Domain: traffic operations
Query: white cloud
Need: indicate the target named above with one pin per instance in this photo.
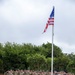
(18, 11)
(24, 21)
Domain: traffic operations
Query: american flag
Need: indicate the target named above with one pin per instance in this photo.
(50, 20)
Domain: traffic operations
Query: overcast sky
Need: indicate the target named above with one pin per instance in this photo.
(23, 21)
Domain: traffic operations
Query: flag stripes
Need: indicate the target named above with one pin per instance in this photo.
(50, 20)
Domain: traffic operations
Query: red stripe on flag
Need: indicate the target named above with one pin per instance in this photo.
(46, 27)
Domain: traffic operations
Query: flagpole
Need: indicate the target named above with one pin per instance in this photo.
(51, 22)
(52, 50)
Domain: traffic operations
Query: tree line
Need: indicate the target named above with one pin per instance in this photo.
(31, 57)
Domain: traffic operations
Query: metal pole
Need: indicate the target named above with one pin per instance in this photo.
(52, 50)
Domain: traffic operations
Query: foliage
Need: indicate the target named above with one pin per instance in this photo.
(38, 61)
(27, 56)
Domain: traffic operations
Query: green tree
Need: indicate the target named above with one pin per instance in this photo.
(71, 67)
(48, 50)
(48, 64)
(37, 62)
(61, 63)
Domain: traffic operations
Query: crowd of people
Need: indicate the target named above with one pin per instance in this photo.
(30, 72)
